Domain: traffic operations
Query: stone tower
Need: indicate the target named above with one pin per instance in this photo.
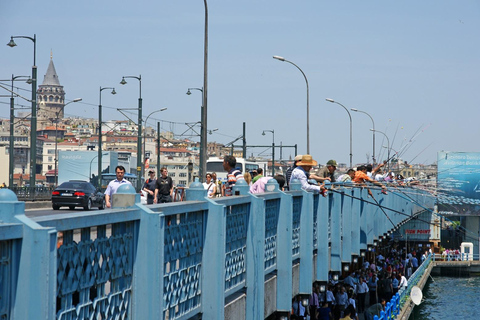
(50, 97)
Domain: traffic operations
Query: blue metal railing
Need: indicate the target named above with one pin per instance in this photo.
(393, 307)
(179, 260)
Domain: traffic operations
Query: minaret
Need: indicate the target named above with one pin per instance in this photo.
(50, 97)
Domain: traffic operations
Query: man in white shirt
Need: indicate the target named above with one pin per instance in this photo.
(301, 173)
(115, 184)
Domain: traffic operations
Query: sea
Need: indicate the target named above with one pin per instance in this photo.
(449, 298)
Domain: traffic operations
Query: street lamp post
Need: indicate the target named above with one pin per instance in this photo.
(203, 147)
(273, 150)
(308, 107)
(139, 139)
(56, 136)
(203, 131)
(145, 137)
(388, 143)
(12, 129)
(99, 173)
(350, 116)
(373, 132)
(33, 132)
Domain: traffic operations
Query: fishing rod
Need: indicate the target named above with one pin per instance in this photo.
(378, 204)
(439, 215)
(421, 152)
(381, 206)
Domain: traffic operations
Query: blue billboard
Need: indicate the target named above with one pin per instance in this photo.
(83, 165)
(458, 183)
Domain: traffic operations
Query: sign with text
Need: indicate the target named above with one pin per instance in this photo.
(458, 184)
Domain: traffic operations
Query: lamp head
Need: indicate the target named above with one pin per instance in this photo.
(189, 92)
(29, 81)
(113, 91)
(12, 43)
(354, 109)
(263, 133)
(77, 100)
(330, 100)
(279, 58)
(123, 81)
(371, 129)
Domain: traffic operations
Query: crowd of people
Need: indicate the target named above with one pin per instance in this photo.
(365, 291)
(160, 190)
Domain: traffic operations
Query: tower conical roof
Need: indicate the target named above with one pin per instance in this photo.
(51, 77)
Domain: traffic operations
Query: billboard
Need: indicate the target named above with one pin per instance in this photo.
(458, 183)
(83, 165)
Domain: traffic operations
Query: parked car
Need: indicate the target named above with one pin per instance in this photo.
(75, 193)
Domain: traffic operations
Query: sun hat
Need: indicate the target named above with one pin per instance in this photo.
(298, 157)
(307, 161)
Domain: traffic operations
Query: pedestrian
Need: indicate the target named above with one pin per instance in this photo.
(115, 184)
(362, 289)
(234, 174)
(259, 186)
(313, 303)
(218, 185)
(258, 176)
(375, 310)
(248, 178)
(301, 173)
(288, 174)
(361, 177)
(210, 186)
(163, 187)
(326, 173)
(149, 186)
(347, 177)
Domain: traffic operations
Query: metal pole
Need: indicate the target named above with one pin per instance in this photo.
(244, 140)
(158, 148)
(100, 121)
(139, 126)
(308, 99)
(350, 116)
(33, 125)
(203, 132)
(145, 133)
(388, 147)
(373, 133)
(140, 154)
(55, 156)
(11, 145)
(99, 164)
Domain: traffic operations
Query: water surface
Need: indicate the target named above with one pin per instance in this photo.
(449, 298)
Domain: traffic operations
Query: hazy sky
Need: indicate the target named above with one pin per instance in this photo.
(414, 66)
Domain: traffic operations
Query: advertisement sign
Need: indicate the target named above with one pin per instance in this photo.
(458, 183)
(83, 165)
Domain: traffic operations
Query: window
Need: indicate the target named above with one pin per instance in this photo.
(50, 159)
(182, 174)
(171, 174)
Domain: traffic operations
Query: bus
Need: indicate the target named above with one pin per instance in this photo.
(215, 164)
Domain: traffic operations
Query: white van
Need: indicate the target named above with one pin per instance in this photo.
(215, 164)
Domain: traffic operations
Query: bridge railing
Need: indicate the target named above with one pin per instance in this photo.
(393, 307)
(457, 257)
(182, 260)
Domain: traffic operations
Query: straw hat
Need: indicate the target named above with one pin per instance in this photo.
(307, 161)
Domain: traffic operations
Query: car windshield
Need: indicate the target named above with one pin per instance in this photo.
(73, 185)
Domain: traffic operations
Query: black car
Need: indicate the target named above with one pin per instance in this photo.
(76, 193)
